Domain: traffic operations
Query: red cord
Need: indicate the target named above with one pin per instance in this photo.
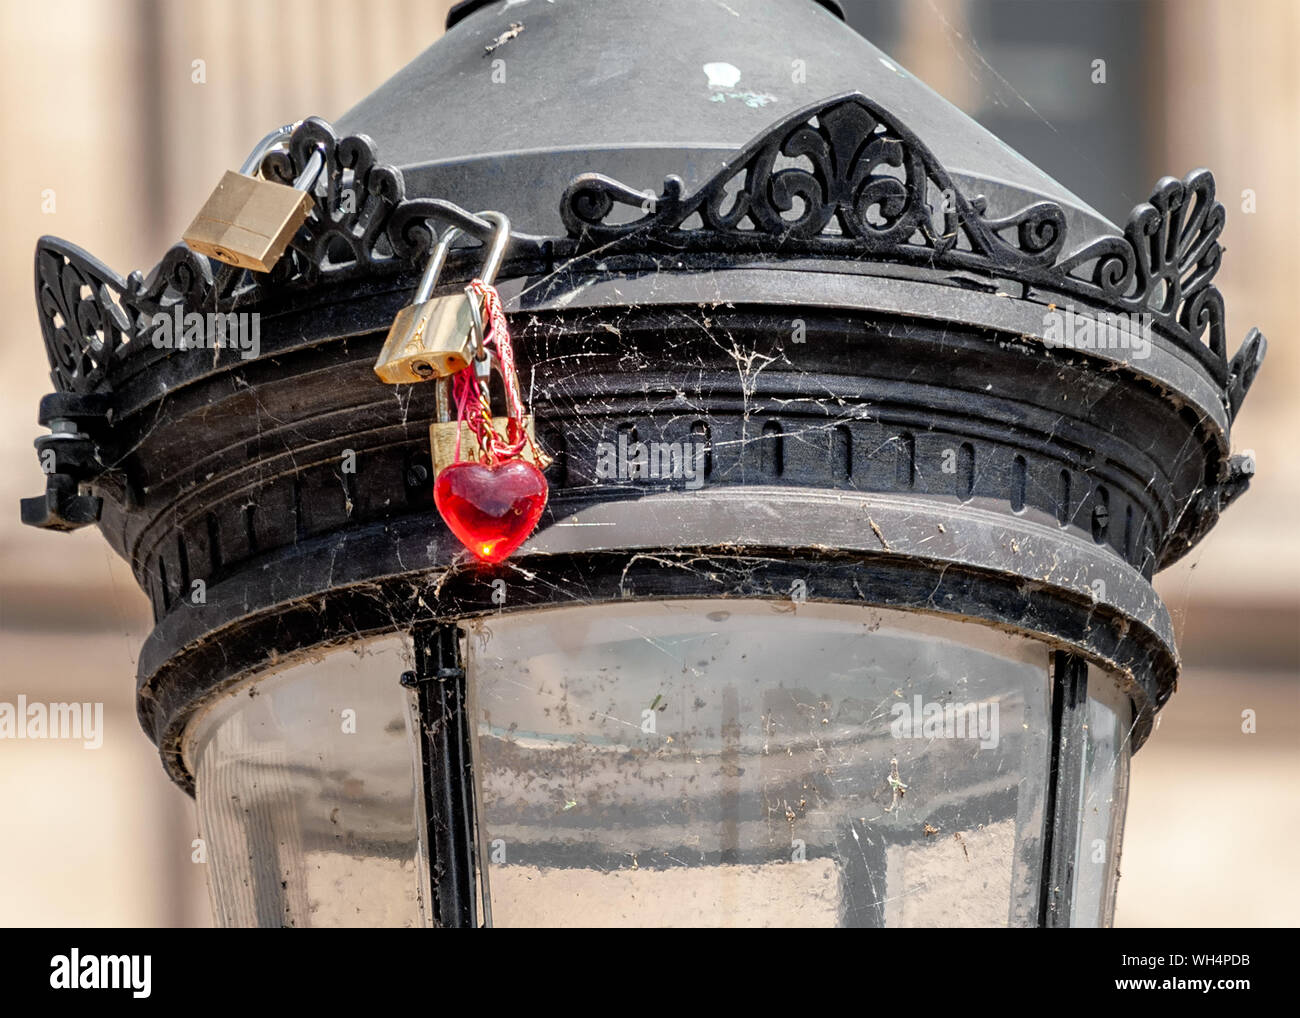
(472, 402)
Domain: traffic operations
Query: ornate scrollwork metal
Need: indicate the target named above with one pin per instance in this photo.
(360, 225)
(92, 317)
(843, 179)
(354, 197)
(1164, 263)
(88, 313)
(839, 179)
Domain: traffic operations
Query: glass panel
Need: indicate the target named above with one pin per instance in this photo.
(1107, 751)
(752, 763)
(306, 794)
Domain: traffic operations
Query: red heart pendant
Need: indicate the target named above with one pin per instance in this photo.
(491, 509)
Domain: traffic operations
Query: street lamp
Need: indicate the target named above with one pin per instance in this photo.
(866, 439)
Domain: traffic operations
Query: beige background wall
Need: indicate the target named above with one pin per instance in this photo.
(100, 107)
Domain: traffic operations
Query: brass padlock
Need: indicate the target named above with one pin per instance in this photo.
(444, 431)
(248, 221)
(435, 338)
(442, 440)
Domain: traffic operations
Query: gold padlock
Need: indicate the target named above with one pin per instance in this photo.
(442, 440)
(434, 337)
(443, 433)
(430, 339)
(248, 221)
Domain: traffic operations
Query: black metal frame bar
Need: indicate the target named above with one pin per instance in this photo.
(1064, 788)
(439, 688)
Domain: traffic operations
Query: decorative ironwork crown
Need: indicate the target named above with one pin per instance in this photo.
(837, 180)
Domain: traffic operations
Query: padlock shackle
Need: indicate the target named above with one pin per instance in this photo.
(443, 400)
(253, 164)
(436, 261)
(491, 265)
(307, 178)
(484, 368)
(254, 161)
(480, 327)
(500, 241)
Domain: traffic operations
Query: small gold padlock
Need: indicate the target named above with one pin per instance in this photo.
(443, 432)
(430, 339)
(442, 440)
(435, 337)
(248, 222)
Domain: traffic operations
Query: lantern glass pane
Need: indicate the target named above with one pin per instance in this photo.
(1106, 755)
(305, 790)
(749, 763)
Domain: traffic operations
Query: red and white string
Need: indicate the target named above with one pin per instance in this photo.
(473, 404)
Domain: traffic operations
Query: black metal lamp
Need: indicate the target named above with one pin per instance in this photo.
(867, 437)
